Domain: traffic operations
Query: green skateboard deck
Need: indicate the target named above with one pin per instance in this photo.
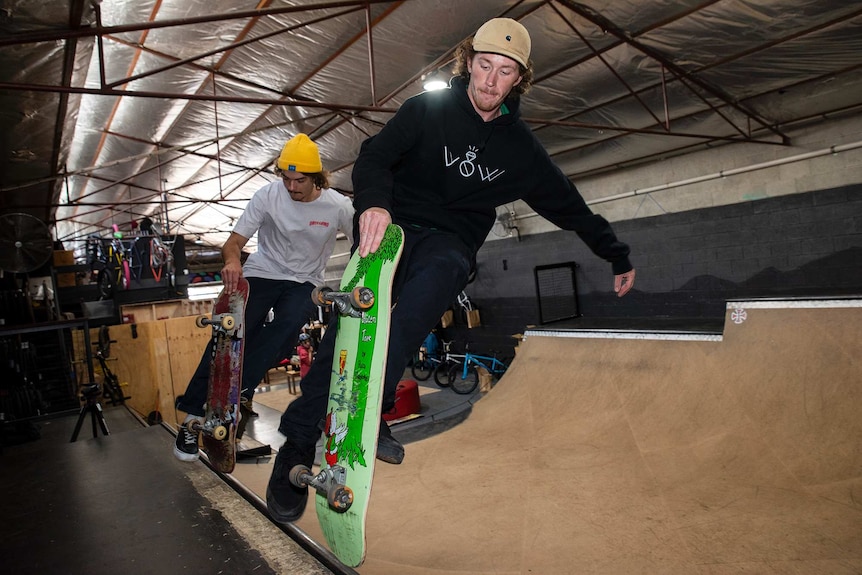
(355, 396)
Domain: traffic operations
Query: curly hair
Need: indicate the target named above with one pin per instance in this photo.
(320, 179)
(465, 53)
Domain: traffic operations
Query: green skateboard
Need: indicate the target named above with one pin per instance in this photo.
(343, 485)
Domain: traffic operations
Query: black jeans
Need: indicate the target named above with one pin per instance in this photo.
(432, 271)
(264, 344)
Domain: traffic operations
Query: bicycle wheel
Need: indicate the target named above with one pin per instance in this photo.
(105, 341)
(441, 374)
(112, 390)
(105, 281)
(501, 370)
(461, 384)
(126, 275)
(422, 369)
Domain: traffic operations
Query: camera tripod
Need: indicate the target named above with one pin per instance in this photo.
(90, 393)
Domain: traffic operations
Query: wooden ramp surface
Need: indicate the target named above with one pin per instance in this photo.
(606, 455)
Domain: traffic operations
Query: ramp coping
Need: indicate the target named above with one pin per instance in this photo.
(794, 303)
(765, 303)
(624, 334)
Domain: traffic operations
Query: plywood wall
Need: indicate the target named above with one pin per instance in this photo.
(141, 362)
(154, 361)
(186, 344)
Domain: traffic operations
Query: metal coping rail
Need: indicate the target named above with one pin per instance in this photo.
(309, 545)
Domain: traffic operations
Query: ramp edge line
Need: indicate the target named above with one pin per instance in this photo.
(618, 334)
(794, 304)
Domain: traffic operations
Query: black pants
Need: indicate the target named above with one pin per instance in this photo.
(264, 344)
(432, 271)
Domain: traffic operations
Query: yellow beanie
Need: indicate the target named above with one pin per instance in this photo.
(300, 155)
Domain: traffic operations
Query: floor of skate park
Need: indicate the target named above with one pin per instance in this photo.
(602, 450)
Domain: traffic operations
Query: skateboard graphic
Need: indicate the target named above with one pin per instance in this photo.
(353, 412)
(218, 428)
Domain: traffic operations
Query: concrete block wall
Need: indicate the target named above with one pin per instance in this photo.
(688, 264)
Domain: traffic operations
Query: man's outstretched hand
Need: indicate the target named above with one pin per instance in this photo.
(372, 226)
(624, 282)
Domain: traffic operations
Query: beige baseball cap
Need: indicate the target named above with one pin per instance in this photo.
(504, 36)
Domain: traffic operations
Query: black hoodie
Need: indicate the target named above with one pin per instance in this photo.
(437, 164)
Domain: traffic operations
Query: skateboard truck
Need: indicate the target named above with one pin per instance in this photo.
(214, 427)
(329, 482)
(352, 303)
(222, 322)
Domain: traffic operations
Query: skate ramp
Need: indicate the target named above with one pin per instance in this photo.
(619, 453)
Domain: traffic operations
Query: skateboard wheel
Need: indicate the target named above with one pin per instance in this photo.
(299, 475)
(220, 432)
(318, 295)
(227, 322)
(340, 498)
(201, 321)
(194, 425)
(362, 298)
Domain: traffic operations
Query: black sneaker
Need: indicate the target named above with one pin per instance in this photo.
(389, 449)
(186, 446)
(285, 501)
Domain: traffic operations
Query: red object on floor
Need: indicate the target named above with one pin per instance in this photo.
(406, 400)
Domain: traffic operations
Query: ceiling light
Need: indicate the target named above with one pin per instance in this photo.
(434, 81)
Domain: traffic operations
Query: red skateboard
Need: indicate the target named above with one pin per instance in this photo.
(218, 428)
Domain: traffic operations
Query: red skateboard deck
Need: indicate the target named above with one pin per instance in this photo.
(218, 430)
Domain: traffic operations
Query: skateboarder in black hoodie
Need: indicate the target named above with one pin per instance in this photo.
(439, 168)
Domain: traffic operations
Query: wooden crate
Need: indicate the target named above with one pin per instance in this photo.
(64, 258)
(186, 343)
(156, 359)
(142, 361)
(167, 309)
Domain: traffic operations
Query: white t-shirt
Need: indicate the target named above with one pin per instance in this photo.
(294, 239)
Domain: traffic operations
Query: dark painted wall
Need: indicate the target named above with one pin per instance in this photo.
(688, 264)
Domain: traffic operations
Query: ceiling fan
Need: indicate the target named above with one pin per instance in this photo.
(25, 243)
